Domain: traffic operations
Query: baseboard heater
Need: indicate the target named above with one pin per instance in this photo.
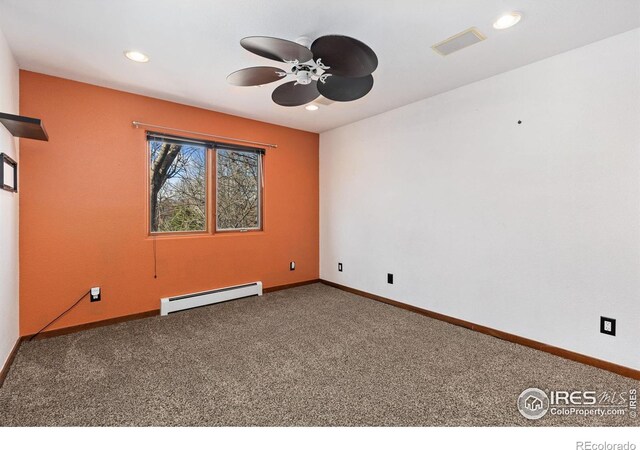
(173, 304)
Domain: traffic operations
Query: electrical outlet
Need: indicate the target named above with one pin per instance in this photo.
(390, 278)
(339, 267)
(608, 326)
(95, 294)
(292, 265)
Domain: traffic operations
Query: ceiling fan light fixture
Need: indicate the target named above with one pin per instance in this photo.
(136, 56)
(337, 67)
(311, 107)
(507, 20)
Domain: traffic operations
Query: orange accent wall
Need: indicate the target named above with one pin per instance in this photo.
(83, 211)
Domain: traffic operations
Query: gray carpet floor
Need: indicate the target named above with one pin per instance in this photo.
(312, 356)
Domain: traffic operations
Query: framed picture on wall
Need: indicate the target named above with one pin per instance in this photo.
(8, 173)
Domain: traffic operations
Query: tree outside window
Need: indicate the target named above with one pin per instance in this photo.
(238, 190)
(179, 185)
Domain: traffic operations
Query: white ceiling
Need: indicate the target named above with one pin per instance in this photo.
(194, 44)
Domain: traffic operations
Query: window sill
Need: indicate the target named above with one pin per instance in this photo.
(237, 233)
(178, 235)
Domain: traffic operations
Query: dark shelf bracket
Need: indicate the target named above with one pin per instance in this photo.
(24, 127)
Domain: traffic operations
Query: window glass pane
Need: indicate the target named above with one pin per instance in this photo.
(178, 186)
(238, 189)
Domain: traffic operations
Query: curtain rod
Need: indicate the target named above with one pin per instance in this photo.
(137, 124)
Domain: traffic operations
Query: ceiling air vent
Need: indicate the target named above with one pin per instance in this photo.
(459, 41)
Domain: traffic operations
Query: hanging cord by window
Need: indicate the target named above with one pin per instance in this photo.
(155, 259)
(54, 320)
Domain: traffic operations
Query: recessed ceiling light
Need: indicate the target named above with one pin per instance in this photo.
(136, 56)
(311, 107)
(507, 20)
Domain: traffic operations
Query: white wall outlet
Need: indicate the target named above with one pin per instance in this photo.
(608, 326)
(95, 294)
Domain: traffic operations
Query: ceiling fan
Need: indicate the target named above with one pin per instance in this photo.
(336, 67)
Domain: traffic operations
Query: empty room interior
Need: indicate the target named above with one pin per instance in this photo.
(319, 214)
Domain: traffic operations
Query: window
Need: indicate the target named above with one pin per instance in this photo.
(179, 185)
(238, 189)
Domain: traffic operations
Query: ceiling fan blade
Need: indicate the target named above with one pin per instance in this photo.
(345, 89)
(292, 94)
(276, 49)
(254, 76)
(346, 56)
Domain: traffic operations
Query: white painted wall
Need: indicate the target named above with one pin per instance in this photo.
(532, 229)
(8, 210)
